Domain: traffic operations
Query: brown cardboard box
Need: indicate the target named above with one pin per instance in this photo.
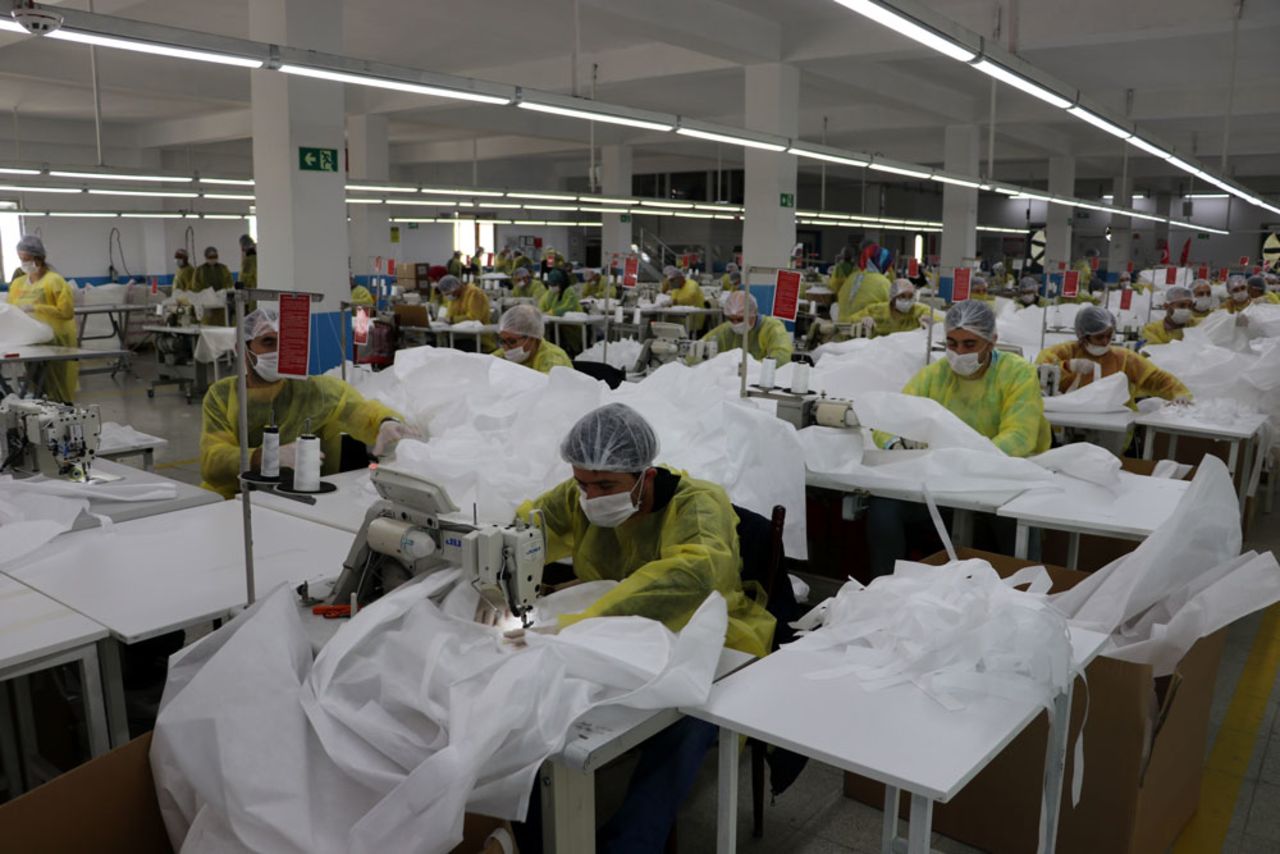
(1132, 802)
(108, 806)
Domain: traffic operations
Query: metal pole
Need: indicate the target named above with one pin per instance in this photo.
(591, 129)
(97, 97)
(577, 46)
(17, 139)
(991, 136)
(822, 198)
(342, 319)
(242, 402)
(1231, 85)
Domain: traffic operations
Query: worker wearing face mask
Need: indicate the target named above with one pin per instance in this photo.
(46, 297)
(464, 302)
(559, 300)
(1202, 296)
(1029, 293)
(866, 286)
(1093, 356)
(979, 289)
(1258, 292)
(995, 393)
(685, 291)
(766, 338)
(669, 540)
(1179, 314)
(900, 314)
(455, 266)
(597, 286)
(727, 282)
(329, 405)
(671, 277)
(1237, 294)
(184, 277)
(213, 275)
(525, 286)
(504, 263)
(521, 340)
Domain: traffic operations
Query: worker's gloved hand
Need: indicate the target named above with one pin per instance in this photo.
(868, 324)
(1080, 366)
(391, 432)
(289, 455)
(1242, 320)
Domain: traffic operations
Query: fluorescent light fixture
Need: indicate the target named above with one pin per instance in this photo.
(830, 158)
(151, 194)
(1108, 197)
(476, 193)
(959, 182)
(153, 215)
(606, 210)
(379, 188)
(88, 214)
(1207, 196)
(1039, 197)
(364, 201)
(551, 208)
(897, 170)
(653, 203)
(1141, 215)
(1150, 148)
(8, 25)
(11, 188)
(224, 216)
(9, 170)
(1191, 226)
(501, 206)
(1008, 191)
(164, 179)
(439, 203)
(612, 200)
(1183, 165)
(1017, 81)
(905, 26)
(589, 224)
(595, 116)
(1099, 122)
(730, 140)
(549, 197)
(692, 215)
(154, 49)
(229, 182)
(239, 197)
(396, 85)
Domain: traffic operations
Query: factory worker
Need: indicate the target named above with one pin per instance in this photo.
(865, 286)
(213, 275)
(671, 277)
(1258, 292)
(477, 263)
(519, 259)
(1179, 313)
(1202, 296)
(1028, 293)
(520, 336)
(999, 278)
(559, 300)
(597, 286)
(248, 263)
(1238, 298)
(995, 393)
(979, 289)
(331, 406)
(463, 301)
(1095, 328)
(841, 270)
(504, 263)
(685, 291)
(46, 296)
(360, 295)
(184, 277)
(900, 314)
(669, 540)
(727, 282)
(766, 337)
(454, 265)
(1085, 267)
(525, 286)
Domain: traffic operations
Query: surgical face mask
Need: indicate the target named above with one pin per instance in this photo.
(1097, 349)
(741, 328)
(1240, 296)
(267, 366)
(1028, 298)
(182, 262)
(29, 267)
(516, 354)
(1181, 316)
(610, 511)
(903, 304)
(965, 364)
(1204, 303)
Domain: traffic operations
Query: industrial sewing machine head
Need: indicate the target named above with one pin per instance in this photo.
(48, 438)
(810, 410)
(670, 342)
(404, 536)
(1050, 379)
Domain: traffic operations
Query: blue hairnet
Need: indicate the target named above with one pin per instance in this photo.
(524, 320)
(260, 321)
(1093, 319)
(1257, 283)
(521, 273)
(612, 438)
(973, 315)
(32, 245)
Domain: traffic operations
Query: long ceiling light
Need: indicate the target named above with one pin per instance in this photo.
(153, 48)
(959, 182)
(476, 193)
(150, 194)
(228, 182)
(4, 170)
(829, 158)
(730, 139)
(379, 188)
(903, 25)
(1099, 122)
(1017, 81)
(549, 197)
(165, 179)
(240, 197)
(395, 85)
(899, 170)
(14, 189)
(595, 115)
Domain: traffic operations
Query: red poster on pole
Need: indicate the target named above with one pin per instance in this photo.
(1244, 260)
(295, 335)
(786, 295)
(1223, 273)
(960, 284)
(1071, 284)
(1093, 262)
(1256, 270)
(391, 267)
(1126, 299)
(1129, 267)
(1062, 265)
(631, 272)
(1171, 276)
(913, 269)
(490, 264)
(1203, 272)
(360, 326)
(155, 285)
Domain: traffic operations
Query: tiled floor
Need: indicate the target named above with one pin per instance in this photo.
(812, 817)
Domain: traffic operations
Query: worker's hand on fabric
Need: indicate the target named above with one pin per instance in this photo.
(390, 433)
(1080, 366)
(926, 321)
(289, 455)
(869, 324)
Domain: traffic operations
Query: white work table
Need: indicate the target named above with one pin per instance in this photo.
(898, 736)
(597, 323)
(145, 446)
(1133, 512)
(35, 357)
(1103, 422)
(1180, 421)
(185, 497)
(343, 510)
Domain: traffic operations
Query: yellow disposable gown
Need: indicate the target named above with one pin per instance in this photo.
(533, 289)
(1086, 273)
(1145, 379)
(1004, 404)
(1156, 332)
(691, 295)
(839, 274)
(666, 562)
(455, 267)
(53, 303)
(558, 304)
(504, 265)
(185, 279)
(726, 283)
(599, 289)
(470, 304)
(889, 321)
(360, 296)
(332, 406)
(213, 277)
(863, 288)
(546, 357)
(768, 339)
(249, 271)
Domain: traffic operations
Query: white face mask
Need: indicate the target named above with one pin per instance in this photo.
(1204, 303)
(1028, 298)
(903, 304)
(267, 366)
(1240, 296)
(1181, 316)
(610, 511)
(965, 364)
(740, 328)
(1097, 349)
(29, 267)
(516, 354)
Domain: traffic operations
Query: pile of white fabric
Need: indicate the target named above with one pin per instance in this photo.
(19, 329)
(121, 435)
(407, 718)
(622, 354)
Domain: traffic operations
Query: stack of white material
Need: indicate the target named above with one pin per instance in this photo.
(622, 354)
(407, 718)
(19, 329)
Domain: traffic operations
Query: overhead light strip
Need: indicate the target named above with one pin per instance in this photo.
(395, 85)
(71, 35)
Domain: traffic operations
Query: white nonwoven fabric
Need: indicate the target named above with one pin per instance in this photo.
(920, 419)
(19, 329)
(622, 354)
(407, 718)
(1084, 461)
(93, 491)
(1109, 394)
(29, 519)
(214, 342)
(122, 435)
(947, 472)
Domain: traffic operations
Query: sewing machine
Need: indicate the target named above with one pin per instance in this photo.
(53, 439)
(670, 342)
(404, 536)
(810, 410)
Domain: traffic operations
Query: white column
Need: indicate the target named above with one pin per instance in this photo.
(959, 204)
(302, 217)
(1062, 181)
(368, 158)
(769, 232)
(615, 180)
(1120, 251)
(157, 257)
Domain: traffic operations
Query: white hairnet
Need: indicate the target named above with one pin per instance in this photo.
(521, 273)
(738, 303)
(522, 320)
(973, 315)
(1093, 319)
(731, 268)
(1257, 283)
(1201, 283)
(1027, 284)
(1234, 280)
(261, 321)
(1178, 292)
(449, 285)
(32, 245)
(670, 272)
(612, 438)
(900, 285)
(978, 280)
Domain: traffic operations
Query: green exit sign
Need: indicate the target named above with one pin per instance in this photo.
(1202, 235)
(787, 200)
(318, 159)
(624, 218)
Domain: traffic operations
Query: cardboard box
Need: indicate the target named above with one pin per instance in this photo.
(1144, 758)
(108, 806)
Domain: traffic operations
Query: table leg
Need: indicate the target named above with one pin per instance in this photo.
(889, 833)
(1173, 446)
(1149, 446)
(113, 688)
(1055, 767)
(28, 742)
(568, 809)
(1023, 542)
(962, 528)
(1073, 550)
(727, 799)
(920, 827)
(95, 711)
(9, 761)
(149, 459)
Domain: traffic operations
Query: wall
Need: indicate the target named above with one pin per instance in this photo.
(428, 243)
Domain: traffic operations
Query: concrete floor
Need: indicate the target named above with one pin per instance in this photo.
(812, 817)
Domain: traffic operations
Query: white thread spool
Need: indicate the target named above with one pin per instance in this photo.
(270, 452)
(800, 378)
(617, 315)
(638, 317)
(768, 369)
(306, 472)
(813, 306)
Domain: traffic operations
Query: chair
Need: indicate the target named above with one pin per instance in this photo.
(600, 371)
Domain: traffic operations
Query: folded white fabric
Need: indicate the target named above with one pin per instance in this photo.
(1109, 394)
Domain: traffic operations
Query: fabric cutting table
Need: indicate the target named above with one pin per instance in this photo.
(118, 314)
(186, 496)
(898, 736)
(34, 359)
(597, 323)
(1245, 433)
(145, 446)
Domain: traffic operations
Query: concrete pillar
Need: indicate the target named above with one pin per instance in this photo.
(302, 217)
(769, 230)
(615, 180)
(1120, 250)
(157, 257)
(368, 160)
(1062, 181)
(959, 204)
